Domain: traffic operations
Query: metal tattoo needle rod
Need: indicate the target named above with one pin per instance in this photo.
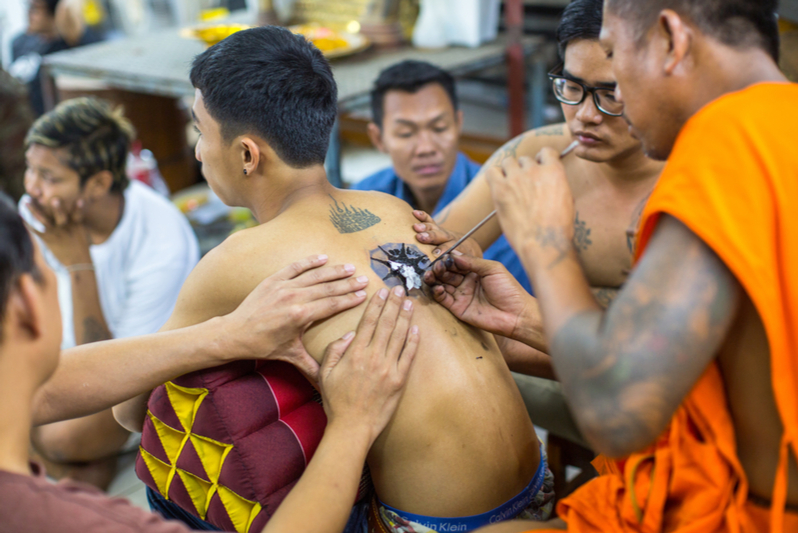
(480, 224)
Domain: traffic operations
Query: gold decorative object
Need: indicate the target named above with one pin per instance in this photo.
(331, 43)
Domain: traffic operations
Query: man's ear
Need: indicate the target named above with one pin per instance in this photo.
(251, 155)
(459, 120)
(24, 308)
(98, 185)
(676, 37)
(376, 136)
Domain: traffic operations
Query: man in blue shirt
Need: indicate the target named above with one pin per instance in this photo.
(416, 120)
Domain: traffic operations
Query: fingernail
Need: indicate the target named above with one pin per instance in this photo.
(456, 252)
(362, 279)
(437, 251)
(322, 257)
(360, 294)
(407, 305)
(398, 291)
(423, 235)
(414, 330)
(419, 227)
(383, 293)
(349, 335)
(349, 268)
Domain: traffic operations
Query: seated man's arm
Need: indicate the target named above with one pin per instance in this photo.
(475, 202)
(625, 371)
(268, 324)
(210, 291)
(525, 359)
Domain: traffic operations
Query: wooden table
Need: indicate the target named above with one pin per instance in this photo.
(159, 63)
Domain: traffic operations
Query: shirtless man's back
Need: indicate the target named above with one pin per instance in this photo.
(461, 442)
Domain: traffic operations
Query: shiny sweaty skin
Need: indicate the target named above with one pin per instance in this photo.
(609, 176)
(461, 442)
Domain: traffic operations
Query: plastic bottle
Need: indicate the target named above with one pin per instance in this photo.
(142, 166)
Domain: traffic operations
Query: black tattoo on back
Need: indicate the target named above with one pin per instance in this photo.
(581, 238)
(550, 237)
(349, 219)
(400, 264)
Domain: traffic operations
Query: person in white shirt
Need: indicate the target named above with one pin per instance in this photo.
(120, 252)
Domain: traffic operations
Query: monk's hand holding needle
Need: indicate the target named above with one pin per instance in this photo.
(535, 207)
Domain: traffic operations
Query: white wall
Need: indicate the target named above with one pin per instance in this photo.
(13, 21)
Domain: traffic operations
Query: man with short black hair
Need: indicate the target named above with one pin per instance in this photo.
(416, 120)
(37, 384)
(53, 25)
(119, 250)
(689, 379)
(265, 102)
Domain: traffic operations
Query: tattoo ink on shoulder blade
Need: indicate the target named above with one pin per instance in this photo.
(400, 264)
(349, 219)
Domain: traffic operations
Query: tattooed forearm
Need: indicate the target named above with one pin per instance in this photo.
(626, 371)
(581, 238)
(94, 330)
(604, 296)
(557, 129)
(553, 238)
(349, 219)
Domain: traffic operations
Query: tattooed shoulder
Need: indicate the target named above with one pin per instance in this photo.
(556, 129)
(349, 219)
(509, 149)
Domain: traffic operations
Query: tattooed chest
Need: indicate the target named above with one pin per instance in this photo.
(603, 249)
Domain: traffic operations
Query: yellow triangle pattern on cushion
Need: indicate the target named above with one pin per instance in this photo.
(200, 491)
(171, 439)
(241, 511)
(159, 470)
(212, 454)
(185, 402)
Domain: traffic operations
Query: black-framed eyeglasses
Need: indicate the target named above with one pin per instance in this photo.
(571, 92)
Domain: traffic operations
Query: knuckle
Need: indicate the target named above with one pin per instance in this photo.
(297, 313)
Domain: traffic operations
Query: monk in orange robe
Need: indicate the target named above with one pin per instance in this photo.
(689, 379)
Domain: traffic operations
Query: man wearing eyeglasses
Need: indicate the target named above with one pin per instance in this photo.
(610, 178)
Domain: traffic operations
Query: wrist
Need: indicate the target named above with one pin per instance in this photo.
(220, 341)
(356, 434)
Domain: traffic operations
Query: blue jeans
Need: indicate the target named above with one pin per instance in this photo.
(170, 511)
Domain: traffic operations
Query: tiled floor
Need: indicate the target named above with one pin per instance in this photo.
(127, 485)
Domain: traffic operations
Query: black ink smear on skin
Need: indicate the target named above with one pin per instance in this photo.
(349, 219)
(400, 264)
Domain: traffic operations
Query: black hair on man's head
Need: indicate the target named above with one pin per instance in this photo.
(272, 83)
(736, 23)
(581, 19)
(51, 6)
(16, 253)
(409, 76)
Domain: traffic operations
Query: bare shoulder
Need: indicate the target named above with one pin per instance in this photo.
(225, 276)
(529, 144)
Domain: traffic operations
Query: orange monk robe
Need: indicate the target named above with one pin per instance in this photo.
(732, 180)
